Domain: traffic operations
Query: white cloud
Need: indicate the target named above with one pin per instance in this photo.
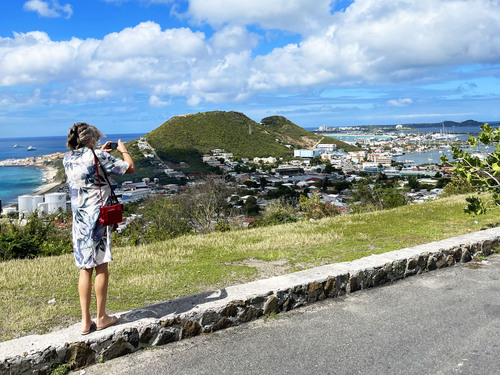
(234, 38)
(173, 62)
(385, 41)
(374, 41)
(156, 102)
(32, 58)
(402, 102)
(52, 10)
(291, 15)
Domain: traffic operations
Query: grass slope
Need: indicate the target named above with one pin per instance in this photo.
(143, 275)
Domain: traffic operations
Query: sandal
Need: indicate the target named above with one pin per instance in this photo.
(113, 321)
(92, 328)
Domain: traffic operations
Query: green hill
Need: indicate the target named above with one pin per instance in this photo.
(184, 139)
(202, 132)
(196, 134)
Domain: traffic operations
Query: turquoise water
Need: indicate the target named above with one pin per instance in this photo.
(16, 181)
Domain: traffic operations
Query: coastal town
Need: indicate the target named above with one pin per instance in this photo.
(305, 172)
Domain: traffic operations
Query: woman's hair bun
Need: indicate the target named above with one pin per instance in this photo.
(80, 134)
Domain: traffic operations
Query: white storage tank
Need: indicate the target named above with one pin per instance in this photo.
(55, 201)
(9, 210)
(35, 200)
(43, 208)
(25, 203)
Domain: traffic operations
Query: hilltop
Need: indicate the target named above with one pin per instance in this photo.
(184, 139)
(234, 132)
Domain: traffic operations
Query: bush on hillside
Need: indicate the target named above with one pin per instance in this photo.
(41, 235)
(278, 212)
(368, 197)
(481, 170)
(457, 186)
(313, 208)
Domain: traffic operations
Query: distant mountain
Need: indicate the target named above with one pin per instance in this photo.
(448, 124)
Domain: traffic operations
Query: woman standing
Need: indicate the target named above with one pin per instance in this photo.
(92, 241)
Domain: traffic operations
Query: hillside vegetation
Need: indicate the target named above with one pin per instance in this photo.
(146, 274)
(287, 131)
(186, 138)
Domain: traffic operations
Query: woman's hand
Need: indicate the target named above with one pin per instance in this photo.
(126, 156)
(121, 146)
(106, 147)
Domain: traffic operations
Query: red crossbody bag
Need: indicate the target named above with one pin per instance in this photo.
(111, 214)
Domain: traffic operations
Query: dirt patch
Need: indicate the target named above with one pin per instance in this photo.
(474, 265)
(266, 269)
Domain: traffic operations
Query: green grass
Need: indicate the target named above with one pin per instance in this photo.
(143, 275)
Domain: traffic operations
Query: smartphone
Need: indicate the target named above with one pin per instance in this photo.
(113, 145)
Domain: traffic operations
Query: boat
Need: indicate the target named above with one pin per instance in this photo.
(17, 146)
(31, 148)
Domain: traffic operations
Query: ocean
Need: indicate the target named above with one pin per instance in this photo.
(15, 181)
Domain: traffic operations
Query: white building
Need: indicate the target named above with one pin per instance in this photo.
(269, 160)
(326, 147)
(305, 153)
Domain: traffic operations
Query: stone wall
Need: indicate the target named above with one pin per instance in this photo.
(176, 320)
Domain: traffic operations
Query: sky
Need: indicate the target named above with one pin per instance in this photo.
(127, 66)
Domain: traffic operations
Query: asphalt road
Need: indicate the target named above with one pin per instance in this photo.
(442, 322)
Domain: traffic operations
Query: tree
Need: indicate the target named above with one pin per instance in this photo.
(278, 212)
(251, 207)
(263, 182)
(328, 168)
(480, 170)
(380, 196)
(41, 235)
(315, 160)
(314, 208)
(205, 204)
(413, 183)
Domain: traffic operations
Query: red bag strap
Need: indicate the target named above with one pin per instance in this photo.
(98, 177)
(97, 163)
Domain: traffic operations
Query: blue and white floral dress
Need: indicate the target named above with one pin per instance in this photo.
(91, 241)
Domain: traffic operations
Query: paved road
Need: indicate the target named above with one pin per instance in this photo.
(443, 322)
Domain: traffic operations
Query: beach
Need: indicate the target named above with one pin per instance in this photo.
(50, 173)
(47, 164)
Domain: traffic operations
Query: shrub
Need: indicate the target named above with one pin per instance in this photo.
(40, 235)
(313, 208)
(278, 212)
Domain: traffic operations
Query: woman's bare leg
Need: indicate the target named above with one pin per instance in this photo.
(84, 290)
(101, 294)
